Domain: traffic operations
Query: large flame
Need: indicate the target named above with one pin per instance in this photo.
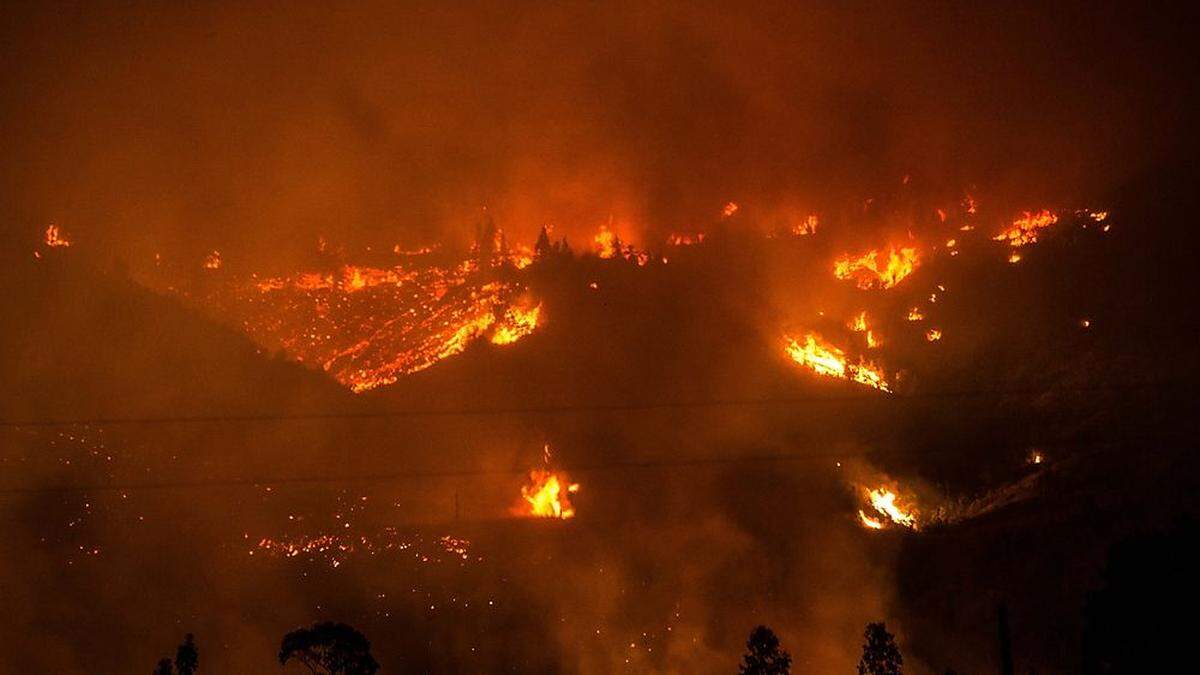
(887, 507)
(516, 324)
(547, 495)
(874, 269)
(825, 359)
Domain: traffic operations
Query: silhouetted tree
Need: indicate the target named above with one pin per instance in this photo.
(331, 648)
(164, 668)
(187, 658)
(543, 248)
(763, 655)
(880, 654)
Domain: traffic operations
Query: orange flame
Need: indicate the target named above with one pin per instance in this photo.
(1024, 230)
(828, 360)
(55, 237)
(213, 260)
(547, 495)
(933, 335)
(871, 269)
(729, 209)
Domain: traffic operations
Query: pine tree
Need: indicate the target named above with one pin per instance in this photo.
(763, 654)
(880, 655)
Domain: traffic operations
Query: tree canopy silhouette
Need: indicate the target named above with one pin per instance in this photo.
(187, 657)
(164, 667)
(763, 654)
(880, 654)
(329, 648)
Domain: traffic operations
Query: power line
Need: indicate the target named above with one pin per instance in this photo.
(611, 465)
(863, 397)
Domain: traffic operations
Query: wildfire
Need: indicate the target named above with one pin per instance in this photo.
(828, 360)
(213, 260)
(608, 245)
(807, 226)
(875, 269)
(516, 324)
(729, 209)
(1024, 230)
(886, 505)
(915, 314)
(685, 239)
(933, 335)
(547, 495)
(859, 325)
(55, 238)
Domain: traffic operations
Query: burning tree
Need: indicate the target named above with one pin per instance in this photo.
(764, 655)
(880, 654)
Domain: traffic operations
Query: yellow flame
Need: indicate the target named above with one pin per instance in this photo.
(872, 269)
(516, 324)
(933, 335)
(547, 495)
(885, 503)
(828, 360)
(729, 209)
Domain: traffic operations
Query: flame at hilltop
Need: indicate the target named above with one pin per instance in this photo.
(368, 326)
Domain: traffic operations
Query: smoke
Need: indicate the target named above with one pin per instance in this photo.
(178, 130)
(255, 130)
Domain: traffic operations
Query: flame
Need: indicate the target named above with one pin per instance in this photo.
(729, 209)
(607, 244)
(869, 522)
(933, 335)
(516, 324)
(685, 239)
(828, 360)
(915, 314)
(807, 226)
(859, 325)
(885, 503)
(213, 260)
(1014, 258)
(55, 237)
(547, 494)
(1024, 230)
(868, 270)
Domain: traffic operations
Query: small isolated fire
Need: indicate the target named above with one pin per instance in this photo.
(55, 237)
(1024, 230)
(887, 509)
(825, 359)
(875, 269)
(213, 260)
(933, 335)
(548, 493)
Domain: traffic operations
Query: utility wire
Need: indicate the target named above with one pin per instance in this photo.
(864, 397)
(611, 465)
